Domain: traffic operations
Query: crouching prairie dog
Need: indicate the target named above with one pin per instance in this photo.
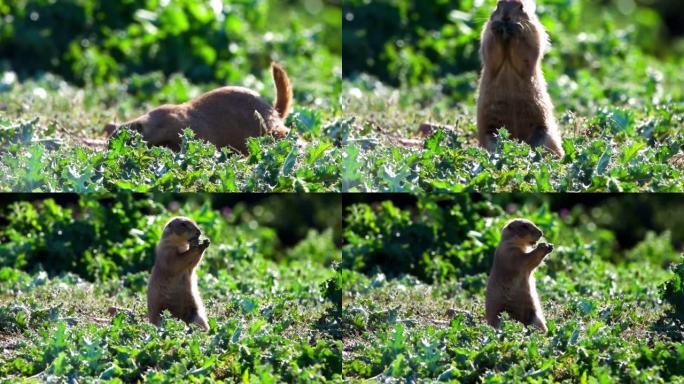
(511, 286)
(173, 282)
(513, 92)
(226, 117)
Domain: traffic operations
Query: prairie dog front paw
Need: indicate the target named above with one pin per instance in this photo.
(545, 247)
(203, 243)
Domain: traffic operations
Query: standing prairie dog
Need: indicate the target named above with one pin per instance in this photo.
(511, 286)
(225, 117)
(173, 282)
(513, 91)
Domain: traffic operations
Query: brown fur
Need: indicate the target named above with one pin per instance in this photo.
(513, 91)
(226, 117)
(173, 282)
(511, 286)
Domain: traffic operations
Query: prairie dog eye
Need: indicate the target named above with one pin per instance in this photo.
(137, 127)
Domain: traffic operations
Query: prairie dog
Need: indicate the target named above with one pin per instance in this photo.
(173, 282)
(513, 91)
(225, 116)
(511, 286)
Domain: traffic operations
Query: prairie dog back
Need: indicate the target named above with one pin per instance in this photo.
(511, 286)
(513, 92)
(173, 282)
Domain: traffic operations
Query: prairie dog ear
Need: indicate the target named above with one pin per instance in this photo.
(109, 129)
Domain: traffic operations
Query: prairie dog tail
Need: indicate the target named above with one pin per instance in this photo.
(283, 90)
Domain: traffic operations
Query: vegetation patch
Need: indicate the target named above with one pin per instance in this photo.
(615, 84)
(63, 268)
(414, 287)
(122, 59)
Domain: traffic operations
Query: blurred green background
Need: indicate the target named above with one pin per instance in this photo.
(105, 236)
(221, 42)
(416, 42)
(441, 236)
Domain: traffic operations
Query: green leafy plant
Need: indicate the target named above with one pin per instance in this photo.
(674, 292)
(129, 165)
